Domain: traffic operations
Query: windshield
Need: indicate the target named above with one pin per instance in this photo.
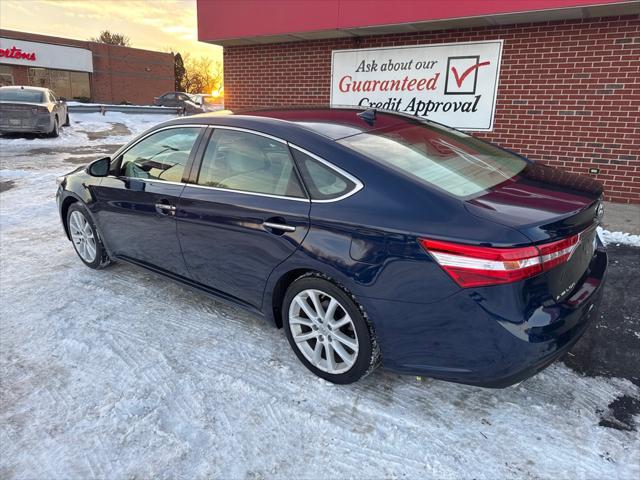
(450, 160)
(20, 95)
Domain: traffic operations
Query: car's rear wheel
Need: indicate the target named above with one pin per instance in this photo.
(55, 130)
(85, 238)
(328, 330)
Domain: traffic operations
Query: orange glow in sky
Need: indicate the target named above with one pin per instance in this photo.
(161, 25)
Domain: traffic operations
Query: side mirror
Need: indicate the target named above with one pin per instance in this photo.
(99, 168)
(62, 99)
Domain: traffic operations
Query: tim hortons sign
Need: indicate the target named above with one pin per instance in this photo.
(14, 52)
(45, 55)
(455, 84)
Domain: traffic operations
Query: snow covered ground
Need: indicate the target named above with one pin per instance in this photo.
(122, 374)
(619, 238)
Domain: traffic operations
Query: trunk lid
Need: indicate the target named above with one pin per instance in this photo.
(15, 112)
(19, 105)
(548, 205)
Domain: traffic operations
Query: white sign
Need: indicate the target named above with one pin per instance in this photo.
(455, 84)
(35, 54)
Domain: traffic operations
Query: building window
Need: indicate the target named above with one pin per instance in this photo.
(59, 81)
(6, 76)
(64, 83)
(80, 85)
(39, 77)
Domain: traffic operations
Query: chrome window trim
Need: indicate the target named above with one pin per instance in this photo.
(269, 195)
(358, 184)
(125, 148)
(152, 180)
(246, 130)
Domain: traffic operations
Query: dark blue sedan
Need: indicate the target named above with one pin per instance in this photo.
(370, 237)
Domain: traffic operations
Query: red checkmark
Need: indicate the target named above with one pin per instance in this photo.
(465, 74)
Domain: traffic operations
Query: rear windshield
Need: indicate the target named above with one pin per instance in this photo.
(450, 160)
(19, 95)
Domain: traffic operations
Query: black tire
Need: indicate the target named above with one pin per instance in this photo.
(55, 130)
(101, 259)
(67, 122)
(368, 355)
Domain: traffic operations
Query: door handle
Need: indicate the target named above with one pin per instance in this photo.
(279, 226)
(165, 209)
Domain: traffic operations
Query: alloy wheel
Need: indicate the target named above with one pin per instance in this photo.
(82, 235)
(323, 331)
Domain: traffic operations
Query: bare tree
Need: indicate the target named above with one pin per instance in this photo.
(112, 39)
(202, 75)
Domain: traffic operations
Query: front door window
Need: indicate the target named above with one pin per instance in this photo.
(161, 156)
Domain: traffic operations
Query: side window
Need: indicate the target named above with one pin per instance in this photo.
(322, 181)
(251, 163)
(161, 156)
(52, 97)
(169, 96)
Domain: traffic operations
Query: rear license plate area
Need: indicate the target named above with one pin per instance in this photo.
(566, 277)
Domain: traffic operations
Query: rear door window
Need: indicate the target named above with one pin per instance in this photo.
(236, 160)
(460, 164)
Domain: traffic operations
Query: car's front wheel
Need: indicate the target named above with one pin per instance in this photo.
(328, 331)
(85, 238)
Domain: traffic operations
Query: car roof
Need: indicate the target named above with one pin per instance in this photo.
(330, 122)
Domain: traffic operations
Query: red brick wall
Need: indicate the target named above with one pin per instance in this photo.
(119, 73)
(569, 91)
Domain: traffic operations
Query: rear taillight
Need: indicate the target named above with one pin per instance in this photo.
(472, 266)
(36, 110)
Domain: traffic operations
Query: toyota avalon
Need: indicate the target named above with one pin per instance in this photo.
(369, 237)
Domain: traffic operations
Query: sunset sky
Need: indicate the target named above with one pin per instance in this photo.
(153, 24)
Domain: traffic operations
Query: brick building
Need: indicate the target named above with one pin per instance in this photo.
(567, 72)
(84, 70)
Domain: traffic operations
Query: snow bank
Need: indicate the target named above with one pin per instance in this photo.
(618, 238)
(83, 124)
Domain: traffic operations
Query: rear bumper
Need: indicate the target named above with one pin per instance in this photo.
(34, 124)
(489, 337)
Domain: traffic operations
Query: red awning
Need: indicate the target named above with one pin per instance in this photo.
(242, 22)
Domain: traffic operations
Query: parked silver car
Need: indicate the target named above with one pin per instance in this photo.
(31, 110)
(185, 101)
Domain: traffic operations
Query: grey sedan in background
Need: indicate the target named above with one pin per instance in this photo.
(185, 101)
(31, 110)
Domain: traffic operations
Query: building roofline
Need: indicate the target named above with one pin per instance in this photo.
(52, 40)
